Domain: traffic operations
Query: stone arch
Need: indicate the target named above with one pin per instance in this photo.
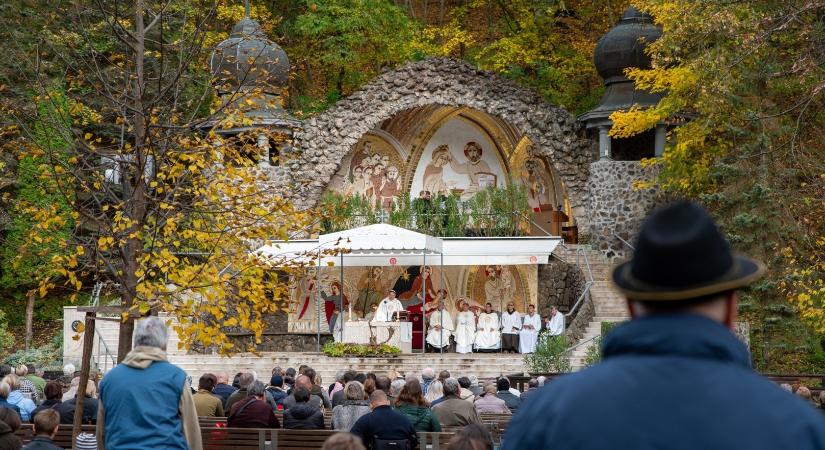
(327, 138)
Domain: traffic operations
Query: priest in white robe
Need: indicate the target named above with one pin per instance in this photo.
(529, 331)
(387, 307)
(465, 330)
(510, 327)
(441, 328)
(555, 322)
(487, 335)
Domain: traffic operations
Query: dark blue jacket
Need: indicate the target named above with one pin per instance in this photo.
(223, 391)
(667, 382)
(384, 423)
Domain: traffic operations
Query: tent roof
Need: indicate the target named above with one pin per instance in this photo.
(381, 237)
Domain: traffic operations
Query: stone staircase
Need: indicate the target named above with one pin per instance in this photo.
(608, 303)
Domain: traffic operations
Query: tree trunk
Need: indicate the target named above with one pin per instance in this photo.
(29, 319)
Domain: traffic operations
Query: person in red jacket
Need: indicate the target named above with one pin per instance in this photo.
(253, 411)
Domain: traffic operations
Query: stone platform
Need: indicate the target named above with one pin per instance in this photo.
(482, 365)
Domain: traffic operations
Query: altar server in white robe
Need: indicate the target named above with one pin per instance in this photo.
(465, 330)
(441, 327)
(555, 323)
(387, 307)
(510, 327)
(487, 335)
(529, 331)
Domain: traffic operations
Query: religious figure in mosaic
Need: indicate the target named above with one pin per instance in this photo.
(477, 170)
(334, 303)
(499, 288)
(371, 288)
(412, 298)
(539, 185)
(434, 172)
(389, 188)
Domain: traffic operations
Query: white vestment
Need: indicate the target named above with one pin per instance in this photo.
(510, 322)
(556, 326)
(487, 334)
(465, 332)
(386, 308)
(440, 338)
(527, 338)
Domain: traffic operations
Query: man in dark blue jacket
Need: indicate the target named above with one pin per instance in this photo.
(674, 377)
(384, 424)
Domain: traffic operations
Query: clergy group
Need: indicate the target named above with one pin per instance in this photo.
(490, 331)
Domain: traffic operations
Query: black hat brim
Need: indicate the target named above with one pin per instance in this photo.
(743, 272)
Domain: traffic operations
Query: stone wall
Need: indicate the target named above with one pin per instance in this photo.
(616, 206)
(559, 284)
(323, 141)
(284, 342)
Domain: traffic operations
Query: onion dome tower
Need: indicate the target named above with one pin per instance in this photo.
(623, 47)
(250, 74)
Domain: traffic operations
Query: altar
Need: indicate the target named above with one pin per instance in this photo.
(397, 334)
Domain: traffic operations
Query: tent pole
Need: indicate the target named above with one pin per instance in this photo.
(341, 314)
(318, 302)
(442, 287)
(424, 303)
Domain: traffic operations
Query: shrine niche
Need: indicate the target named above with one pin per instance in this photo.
(373, 170)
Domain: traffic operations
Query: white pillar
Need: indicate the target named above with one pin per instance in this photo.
(661, 137)
(604, 142)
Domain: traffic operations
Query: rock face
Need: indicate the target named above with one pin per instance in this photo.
(560, 284)
(325, 140)
(617, 208)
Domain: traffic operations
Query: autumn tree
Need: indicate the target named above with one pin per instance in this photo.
(169, 210)
(750, 75)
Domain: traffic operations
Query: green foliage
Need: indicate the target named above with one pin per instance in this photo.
(551, 355)
(345, 43)
(6, 339)
(594, 351)
(48, 356)
(46, 309)
(340, 349)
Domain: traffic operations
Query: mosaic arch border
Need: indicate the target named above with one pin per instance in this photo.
(325, 140)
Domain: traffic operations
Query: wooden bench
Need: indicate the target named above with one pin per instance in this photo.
(63, 437)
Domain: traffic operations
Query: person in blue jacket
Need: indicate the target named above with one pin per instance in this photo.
(675, 376)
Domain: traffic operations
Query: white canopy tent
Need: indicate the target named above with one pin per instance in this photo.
(387, 245)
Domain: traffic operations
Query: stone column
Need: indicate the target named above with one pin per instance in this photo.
(604, 142)
(661, 137)
(263, 145)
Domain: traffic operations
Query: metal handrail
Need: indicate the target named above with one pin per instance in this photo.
(588, 282)
(624, 241)
(107, 354)
(582, 342)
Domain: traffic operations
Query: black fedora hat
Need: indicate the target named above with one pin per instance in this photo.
(681, 254)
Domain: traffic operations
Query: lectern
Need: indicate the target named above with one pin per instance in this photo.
(556, 219)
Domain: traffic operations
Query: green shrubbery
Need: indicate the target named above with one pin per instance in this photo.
(594, 352)
(48, 356)
(551, 355)
(340, 349)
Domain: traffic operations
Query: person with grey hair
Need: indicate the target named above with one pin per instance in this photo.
(222, 388)
(346, 414)
(427, 377)
(541, 380)
(252, 411)
(145, 402)
(395, 389)
(244, 381)
(5, 390)
(453, 411)
(532, 388)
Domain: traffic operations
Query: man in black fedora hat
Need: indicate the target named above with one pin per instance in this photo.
(673, 377)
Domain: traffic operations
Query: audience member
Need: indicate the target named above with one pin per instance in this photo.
(236, 381)
(302, 415)
(9, 423)
(475, 387)
(384, 427)
(5, 390)
(90, 405)
(276, 391)
(26, 387)
(53, 394)
(72, 392)
(435, 393)
(412, 404)
(542, 379)
(503, 386)
(427, 376)
(343, 441)
(466, 393)
(453, 411)
(244, 381)
(383, 382)
(350, 410)
(443, 375)
(303, 382)
(805, 393)
(316, 390)
(532, 387)
(206, 403)
(680, 287)
(395, 389)
(222, 389)
(145, 402)
(339, 396)
(24, 404)
(489, 403)
(85, 441)
(471, 437)
(337, 385)
(46, 423)
(369, 386)
(252, 411)
(35, 375)
(5, 369)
